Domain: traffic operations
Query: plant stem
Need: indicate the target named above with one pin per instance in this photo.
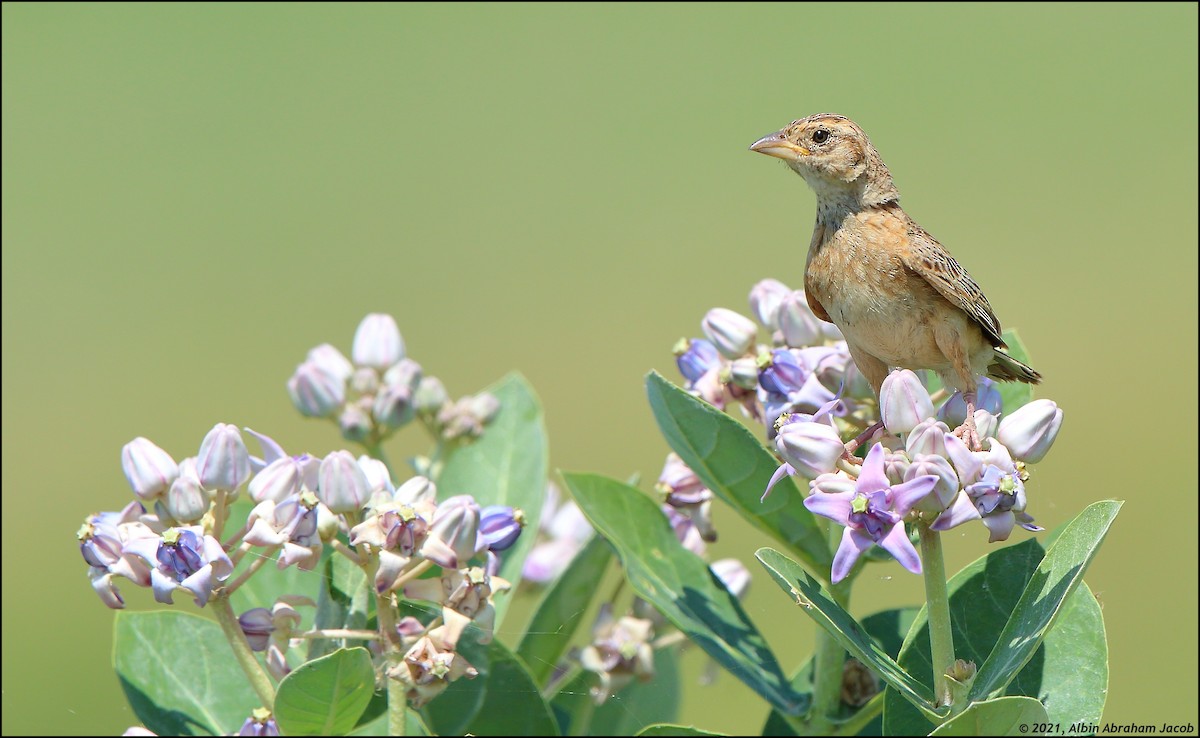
(241, 651)
(411, 574)
(583, 718)
(396, 691)
(357, 635)
(829, 660)
(254, 566)
(941, 638)
(219, 512)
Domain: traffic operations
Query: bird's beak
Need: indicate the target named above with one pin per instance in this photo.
(778, 146)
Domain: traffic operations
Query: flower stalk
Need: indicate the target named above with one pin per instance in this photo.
(941, 637)
(241, 651)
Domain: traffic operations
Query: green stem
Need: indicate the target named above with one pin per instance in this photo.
(829, 660)
(941, 638)
(219, 512)
(241, 651)
(396, 691)
(583, 718)
(860, 719)
(254, 566)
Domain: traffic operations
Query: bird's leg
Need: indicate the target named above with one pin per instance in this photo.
(861, 438)
(967, 431)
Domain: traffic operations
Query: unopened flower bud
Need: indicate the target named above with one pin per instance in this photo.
(765, 298)
(797, 323)
(456, 523)
(186, 501)
(365, 380)
(928, 437)
(377, 474)
(430, 395)
(500, 526)
(1030, 430)
(223, 462)
(895, 464)
(953, 411)
(986, 424)
(904, 402)
(355, 421)
(404, 373)
(733, 574)
(393, 406)
(744, 373)
(279, 480)
(695, 358)
(257, 624)
(377, 342)
(342, 485)
(149, 469)
(812, 449)
(315, 391)
(332, 361)
(732, 333)
(260, 724)
(416, 491)
(944, 490)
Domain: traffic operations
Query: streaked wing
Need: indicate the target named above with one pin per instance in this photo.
(927, 258)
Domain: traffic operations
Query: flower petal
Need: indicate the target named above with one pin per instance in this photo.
(904, 496)
(785, 470)
(872, 477)
(959, 512)
(853, 544)
(897, 544)
(1000, 525)
(835, 505)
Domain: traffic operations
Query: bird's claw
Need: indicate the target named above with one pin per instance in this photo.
(969, 436)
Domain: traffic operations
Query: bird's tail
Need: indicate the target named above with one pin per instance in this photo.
(1007, 369)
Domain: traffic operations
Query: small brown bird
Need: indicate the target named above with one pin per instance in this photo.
(897, 296)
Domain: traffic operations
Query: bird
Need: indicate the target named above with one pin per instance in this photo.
(898, 297)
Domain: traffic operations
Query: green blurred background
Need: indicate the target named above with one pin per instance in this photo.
(195, 195)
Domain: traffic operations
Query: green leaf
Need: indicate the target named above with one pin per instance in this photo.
(733, 463)
(1003, 716)
(1057, 576)
(818, 604)
(1015, 394)
(887, 629)
(179, 674)
(502, 700)
(379, 726)
(681, 730)
(505, 466)
(326, 696)
(1069, 673)
(623, 713)
(680, 584)
(343, 602)
(560, 613)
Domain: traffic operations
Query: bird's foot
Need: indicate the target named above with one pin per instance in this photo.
(967, 433)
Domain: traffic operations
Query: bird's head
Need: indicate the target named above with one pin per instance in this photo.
(834, 156)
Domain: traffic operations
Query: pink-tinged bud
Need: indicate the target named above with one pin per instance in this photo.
(812, 449)
(797, 323)
(186, 500)
(223, 462)
(832, 484)
(377, 474)
(316, 391)
(416, 491)
(943, 491)
(928, 437)
(331, 361)
(456, 523)
(355, 420)
(1030, 430)
(986, 424)
(895, 464)
(430, 395)
(732, 333)
(377, 342)
(904, 402)
(280, 479)
(765, 298)
(733, 574)
(341, 483)
(149, 469)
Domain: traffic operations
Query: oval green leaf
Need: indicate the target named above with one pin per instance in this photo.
(736, 466)
(1069, 673)
(680, 730)
(818, 604)
(680, 584)
(1002, 716)
(179, 674)
(326, 696)
(560, 612)
(505, 466)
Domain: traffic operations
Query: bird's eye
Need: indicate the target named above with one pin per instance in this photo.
(820, 136)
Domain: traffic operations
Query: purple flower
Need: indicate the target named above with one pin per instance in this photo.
(563, 531)
(873, 514)
(183, 557)
(102, 539)
(953, 412)
(500, 526)
(260, 723)
(993, 491)
(696, 358)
